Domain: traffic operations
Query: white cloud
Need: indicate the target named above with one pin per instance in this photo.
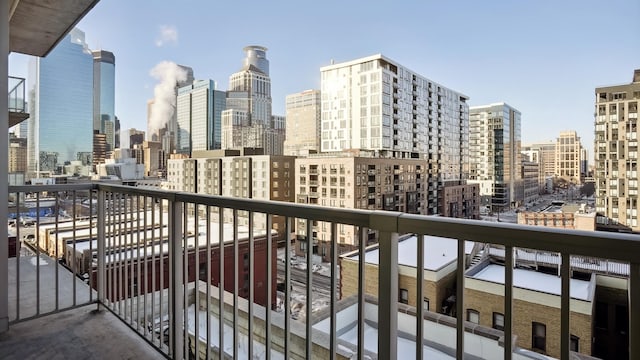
(168, 35)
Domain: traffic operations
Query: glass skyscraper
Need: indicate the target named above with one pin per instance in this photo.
(199, 116)
(61, 106)
(104, 72)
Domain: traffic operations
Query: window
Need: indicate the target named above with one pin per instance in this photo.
(574, 345)
(473, 316)
(498, 321)
(404, 296)
(538, 336)
(425, 304)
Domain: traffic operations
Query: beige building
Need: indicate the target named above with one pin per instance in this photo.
(303, 125)
(17, 154)
(154, 158)
(536, 307)
(439, 271)
(569, 157)
(356, 182)
(264, 177)
(543, 154)
(616, 152)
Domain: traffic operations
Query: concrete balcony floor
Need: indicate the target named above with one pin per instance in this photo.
(80, 333)
(76, 333)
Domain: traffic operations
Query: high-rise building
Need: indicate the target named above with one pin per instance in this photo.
(376, 104)
(495, 145)
(546, 157)
(569, 157)
(17, 154)
(61, 106)
(303, 123)
(616, 152)
(248, 121)
(100, 148)
(199, 117)
(104, 78)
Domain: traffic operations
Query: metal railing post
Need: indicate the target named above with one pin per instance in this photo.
(176, 279)
(4, 167)
(102, 259)
(387, 284)
(634, 310)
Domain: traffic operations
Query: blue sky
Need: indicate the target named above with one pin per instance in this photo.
(543, 57)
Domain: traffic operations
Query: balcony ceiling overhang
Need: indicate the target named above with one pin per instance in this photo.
(36, 26)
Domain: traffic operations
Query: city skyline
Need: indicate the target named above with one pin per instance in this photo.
(545, 59)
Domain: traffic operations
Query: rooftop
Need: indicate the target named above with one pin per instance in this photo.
(438, 252)
(536, 281)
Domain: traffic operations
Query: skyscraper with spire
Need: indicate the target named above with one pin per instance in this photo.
(248, 120)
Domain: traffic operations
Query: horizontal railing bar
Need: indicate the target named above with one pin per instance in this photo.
(613, 246)
(314, 212)
(50, 188)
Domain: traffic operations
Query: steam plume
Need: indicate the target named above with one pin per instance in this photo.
(169, 74)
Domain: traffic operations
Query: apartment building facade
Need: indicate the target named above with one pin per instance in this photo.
(569, 157)
(616, 152)
(356, 182)
(378, 105)
(303, 110)
(264, 177)
(495, 145)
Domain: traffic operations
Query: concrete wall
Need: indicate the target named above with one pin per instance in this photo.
(297, 337)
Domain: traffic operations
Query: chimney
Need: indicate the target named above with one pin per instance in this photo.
(636, 75)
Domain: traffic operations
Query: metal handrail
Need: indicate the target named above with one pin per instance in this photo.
(389, 226)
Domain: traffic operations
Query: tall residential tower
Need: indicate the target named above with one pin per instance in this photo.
(616, 152)
(376, 104)
(495, 145)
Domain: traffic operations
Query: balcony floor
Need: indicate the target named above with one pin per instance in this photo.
(80, 333)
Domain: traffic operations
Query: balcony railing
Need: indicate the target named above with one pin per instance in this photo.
(16, 95)
(194, 274)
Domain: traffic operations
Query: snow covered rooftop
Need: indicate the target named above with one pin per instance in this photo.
(536, 281)
(438, 252)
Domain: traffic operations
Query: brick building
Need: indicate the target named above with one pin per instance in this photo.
(439, 271)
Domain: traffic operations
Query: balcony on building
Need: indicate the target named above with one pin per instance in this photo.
(17, 104)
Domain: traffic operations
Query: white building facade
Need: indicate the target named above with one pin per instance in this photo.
(376, 104)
